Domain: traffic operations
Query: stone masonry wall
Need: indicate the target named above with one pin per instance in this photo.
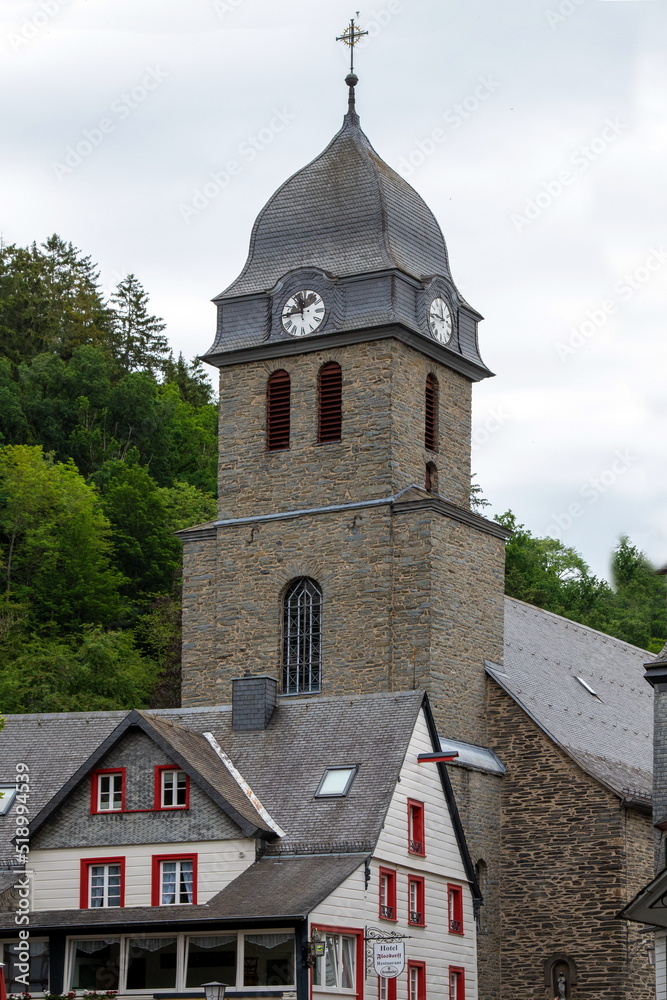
(382, 445)
(565, 853)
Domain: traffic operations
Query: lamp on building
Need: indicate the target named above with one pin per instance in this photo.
(214, 991)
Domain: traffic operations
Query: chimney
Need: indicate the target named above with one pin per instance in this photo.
(253, 702)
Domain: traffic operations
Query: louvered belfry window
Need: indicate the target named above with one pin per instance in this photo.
(431, 414)
(302, 636)
(277, 411)
(330, 405)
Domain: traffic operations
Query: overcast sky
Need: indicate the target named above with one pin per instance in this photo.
(535, 129)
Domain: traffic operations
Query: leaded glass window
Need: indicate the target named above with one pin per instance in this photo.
(302, 635)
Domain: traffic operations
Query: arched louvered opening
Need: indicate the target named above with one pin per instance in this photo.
(277, 411)
(302, 636)
(431, 414)
(431, 477)
(330, 403)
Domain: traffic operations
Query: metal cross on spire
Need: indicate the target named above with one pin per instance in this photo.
(351, 36)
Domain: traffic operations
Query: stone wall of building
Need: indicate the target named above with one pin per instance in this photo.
(571, 858)
(382, 446)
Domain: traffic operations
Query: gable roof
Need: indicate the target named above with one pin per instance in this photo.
(187, 749)
(609, 733)
(283, 764)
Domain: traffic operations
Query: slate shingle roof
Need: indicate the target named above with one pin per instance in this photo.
(283, 764)
(610, 734)
(347, 212)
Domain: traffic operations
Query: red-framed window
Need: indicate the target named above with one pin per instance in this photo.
(107, 790)
(172, 788)
(387, 902)
(341, 968)
(102, 883)
(416, 893)
(174, 879)
(416, 981)
(457, 983)
(386, 988)
(455, 909)
(416, 843)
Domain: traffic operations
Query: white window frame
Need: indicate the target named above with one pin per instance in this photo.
(181, 956)
(179, 862)
(105, 893)
(173, 774)
(111, 777)
(345, 990)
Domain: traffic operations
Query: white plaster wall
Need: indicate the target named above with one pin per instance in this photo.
(353, 906)
(56, 879)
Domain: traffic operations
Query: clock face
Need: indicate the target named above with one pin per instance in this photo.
(303, 313)
(440, 320)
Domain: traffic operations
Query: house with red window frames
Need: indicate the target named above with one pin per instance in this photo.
(269, 845)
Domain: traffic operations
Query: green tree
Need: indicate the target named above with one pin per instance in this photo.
(55, 542)
(49, 300)
(137, 342)
(103, 670)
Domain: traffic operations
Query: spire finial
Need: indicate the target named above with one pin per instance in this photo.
(351, 36)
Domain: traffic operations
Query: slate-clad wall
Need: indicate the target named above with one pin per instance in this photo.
(570, 861)
(74, 826)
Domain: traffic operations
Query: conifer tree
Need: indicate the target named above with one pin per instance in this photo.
(137, 342)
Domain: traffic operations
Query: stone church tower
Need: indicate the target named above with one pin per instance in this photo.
(345, 557)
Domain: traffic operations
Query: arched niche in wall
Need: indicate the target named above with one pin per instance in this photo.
(560, 978)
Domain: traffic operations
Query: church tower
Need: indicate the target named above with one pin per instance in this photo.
(345, 557)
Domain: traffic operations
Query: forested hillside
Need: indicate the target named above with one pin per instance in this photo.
(545, 572)
(108, 445)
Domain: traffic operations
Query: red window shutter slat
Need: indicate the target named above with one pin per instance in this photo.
(330, 403)
(277, 411)
(431, 414)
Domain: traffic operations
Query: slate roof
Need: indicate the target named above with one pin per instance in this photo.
(283, 764)
(271, 888)
(609, 733)
(346, 212)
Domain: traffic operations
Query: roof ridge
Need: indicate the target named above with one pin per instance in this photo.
(571, 621)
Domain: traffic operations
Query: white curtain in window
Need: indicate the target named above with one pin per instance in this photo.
(269, 940)
(150, 944)
(348, 963)
(90, 947)
(212, 942)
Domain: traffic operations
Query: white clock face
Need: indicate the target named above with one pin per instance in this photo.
(303, 313)
(440, 320)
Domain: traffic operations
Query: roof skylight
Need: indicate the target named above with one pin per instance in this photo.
(336, 782)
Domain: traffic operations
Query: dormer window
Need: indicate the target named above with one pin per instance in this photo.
(107, 790)
(172, 788)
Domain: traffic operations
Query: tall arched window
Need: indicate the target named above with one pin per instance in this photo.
(431, 414)
(302, 635)
(277, 410)
(329, 403)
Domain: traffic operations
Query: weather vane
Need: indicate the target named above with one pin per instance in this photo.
(351, 36)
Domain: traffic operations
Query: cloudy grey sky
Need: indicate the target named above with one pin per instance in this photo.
(535, 129)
